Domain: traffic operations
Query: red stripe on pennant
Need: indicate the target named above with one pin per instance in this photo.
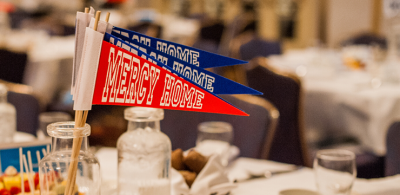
(124, 78)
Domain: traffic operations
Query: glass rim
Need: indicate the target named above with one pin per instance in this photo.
(332, 154)
(67, 129)
(215, 127)
(143, 114)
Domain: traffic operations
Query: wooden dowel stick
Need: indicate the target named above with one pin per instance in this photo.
(86, 10)
(31, 173)
(38, 157)
(107, 16)
(29, 177)
(80, 120)
(48, 149)
(96, 20)
(67, 163)
(44, 152)
(38, 162)
(78, 116)
(53, 175)
(21, 171)
(30, 162)
(47, 179)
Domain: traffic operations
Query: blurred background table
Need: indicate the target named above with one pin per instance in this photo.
(340, 104)
(300, 179)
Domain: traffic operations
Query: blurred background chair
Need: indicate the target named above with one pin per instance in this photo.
(392, 161)
(257, 47)
(26, 105)
(12, 65)
(253, 135)
(284, 91)
(147, 28)
(210, 36)
(366, 39)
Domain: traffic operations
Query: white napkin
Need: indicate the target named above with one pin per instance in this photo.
(244, 168)
(211, 180)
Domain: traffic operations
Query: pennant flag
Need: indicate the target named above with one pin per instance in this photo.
(102, 26)
(124, 78)
(205, 79)
(87, 73)
(190, 55)
(82, 21)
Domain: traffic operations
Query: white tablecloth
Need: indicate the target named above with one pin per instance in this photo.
(305, 179)
(339, 102)
(300, 179)
(343, 107)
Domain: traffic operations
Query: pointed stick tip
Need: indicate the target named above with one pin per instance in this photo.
(96, 20)
(107, 16)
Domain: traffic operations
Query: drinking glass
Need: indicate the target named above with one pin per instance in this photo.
(335, 171)
(215, 137)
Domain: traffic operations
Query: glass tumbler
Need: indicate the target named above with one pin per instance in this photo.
(215, 137)
(335, 171)
(53, 168)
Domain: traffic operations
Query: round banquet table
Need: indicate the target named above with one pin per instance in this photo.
(303, 178)
(340, 103)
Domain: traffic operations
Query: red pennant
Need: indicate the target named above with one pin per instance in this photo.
(124, 78)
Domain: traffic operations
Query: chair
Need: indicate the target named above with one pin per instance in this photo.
(12, 65)
(259, 48)
(253, 134)
(285, 92)
(26, 105)
(392, 162)
(367, 39)
(210, 37)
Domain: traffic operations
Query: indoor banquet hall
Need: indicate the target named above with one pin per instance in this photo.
(200, 97)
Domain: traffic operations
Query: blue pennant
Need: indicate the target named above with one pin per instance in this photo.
(206, 79)
(193, 56)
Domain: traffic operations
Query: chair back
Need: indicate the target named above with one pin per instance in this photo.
(12, 65)
(284, 91)
(26, 105)
(210, 37)
(257, 47)
(252, 135)
(392, 161)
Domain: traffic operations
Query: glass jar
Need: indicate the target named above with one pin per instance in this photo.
(144, 154)
(53, 168)
(7, 117)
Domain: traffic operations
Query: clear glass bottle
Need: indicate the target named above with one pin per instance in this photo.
(7, 117)
(144, 154)
(53, 168)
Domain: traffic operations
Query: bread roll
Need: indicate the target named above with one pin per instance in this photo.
(195, 161)
(177, 159)
(189, 177)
